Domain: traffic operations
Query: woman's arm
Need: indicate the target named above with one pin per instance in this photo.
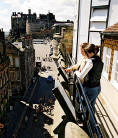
(72, 68)
(75, 67)
(85, 70)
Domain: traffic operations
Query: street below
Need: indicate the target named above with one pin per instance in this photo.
(24, 122)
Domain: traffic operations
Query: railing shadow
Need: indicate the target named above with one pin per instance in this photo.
(105, 121)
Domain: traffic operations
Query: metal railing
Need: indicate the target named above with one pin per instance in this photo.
(86, 111)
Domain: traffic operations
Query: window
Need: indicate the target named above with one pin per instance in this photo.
(3, 77)
(12, 76)
(106, 58)
(6, 75)
(11, 60)
(0, 82)
(98, 19)
(58, 30)
(18, 75)
(17, 61)
(114, 78)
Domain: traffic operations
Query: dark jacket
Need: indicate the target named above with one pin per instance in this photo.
(92, 79)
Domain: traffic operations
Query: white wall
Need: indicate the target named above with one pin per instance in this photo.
(75, 30)
(95, 38)
(100, 2)
(113, 16)
(83, 24)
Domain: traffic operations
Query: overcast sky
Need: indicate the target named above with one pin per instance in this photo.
(62, 9)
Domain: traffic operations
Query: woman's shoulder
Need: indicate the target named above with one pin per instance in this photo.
(89, 62)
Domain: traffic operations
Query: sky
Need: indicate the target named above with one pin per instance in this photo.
(62, 9)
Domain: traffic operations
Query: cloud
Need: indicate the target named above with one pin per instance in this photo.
(63, 9)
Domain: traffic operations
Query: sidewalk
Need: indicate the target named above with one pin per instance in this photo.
(107, 112)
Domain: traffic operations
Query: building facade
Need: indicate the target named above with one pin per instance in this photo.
(40, 23)
(92, 17)
(22, 61)
(30, 23)
(63, 32)
(5, 90)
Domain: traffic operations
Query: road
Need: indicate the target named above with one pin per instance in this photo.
(17, 125)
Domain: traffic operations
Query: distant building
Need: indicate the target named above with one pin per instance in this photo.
(30, 23)
(5, 90)
(22, 61)
(63, 32)
(43, 22)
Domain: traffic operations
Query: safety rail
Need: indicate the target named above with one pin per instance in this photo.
(85, 109)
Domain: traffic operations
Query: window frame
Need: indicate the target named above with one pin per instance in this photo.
(106, 55)
(115, 62)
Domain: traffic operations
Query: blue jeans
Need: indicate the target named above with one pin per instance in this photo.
(92, 94)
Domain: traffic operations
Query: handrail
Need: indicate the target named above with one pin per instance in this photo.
(80, 88)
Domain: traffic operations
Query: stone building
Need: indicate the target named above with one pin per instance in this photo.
(22, 61)
(5, 91)
(30, 23)
(42, 22)
(64, 35)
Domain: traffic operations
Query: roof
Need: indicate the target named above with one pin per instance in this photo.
(63, 24)
(18, 45)
(112, 29)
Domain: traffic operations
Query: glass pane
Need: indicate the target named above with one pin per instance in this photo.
(115, 76)
(116, 55)
(116, 69)
(17, 62)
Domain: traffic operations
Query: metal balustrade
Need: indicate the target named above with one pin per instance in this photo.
(84, 112)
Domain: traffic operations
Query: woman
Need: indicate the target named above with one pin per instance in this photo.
(91, 73)
(79, 66)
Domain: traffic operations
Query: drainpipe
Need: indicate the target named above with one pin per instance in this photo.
(89, 20)
(77, 31)
(101, 48)
(108, 13)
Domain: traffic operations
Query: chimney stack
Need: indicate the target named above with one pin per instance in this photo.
(29, 11)
(2, 39)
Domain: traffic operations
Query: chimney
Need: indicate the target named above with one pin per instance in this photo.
(23, 42)
(29, 11)
(2, 39)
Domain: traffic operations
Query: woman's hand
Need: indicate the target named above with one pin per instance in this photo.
(68, 70)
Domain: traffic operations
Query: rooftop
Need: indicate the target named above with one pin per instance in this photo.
(112, 29)
(18, 45)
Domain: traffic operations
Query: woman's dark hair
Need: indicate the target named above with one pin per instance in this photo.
(91, 48)
(83, 45)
